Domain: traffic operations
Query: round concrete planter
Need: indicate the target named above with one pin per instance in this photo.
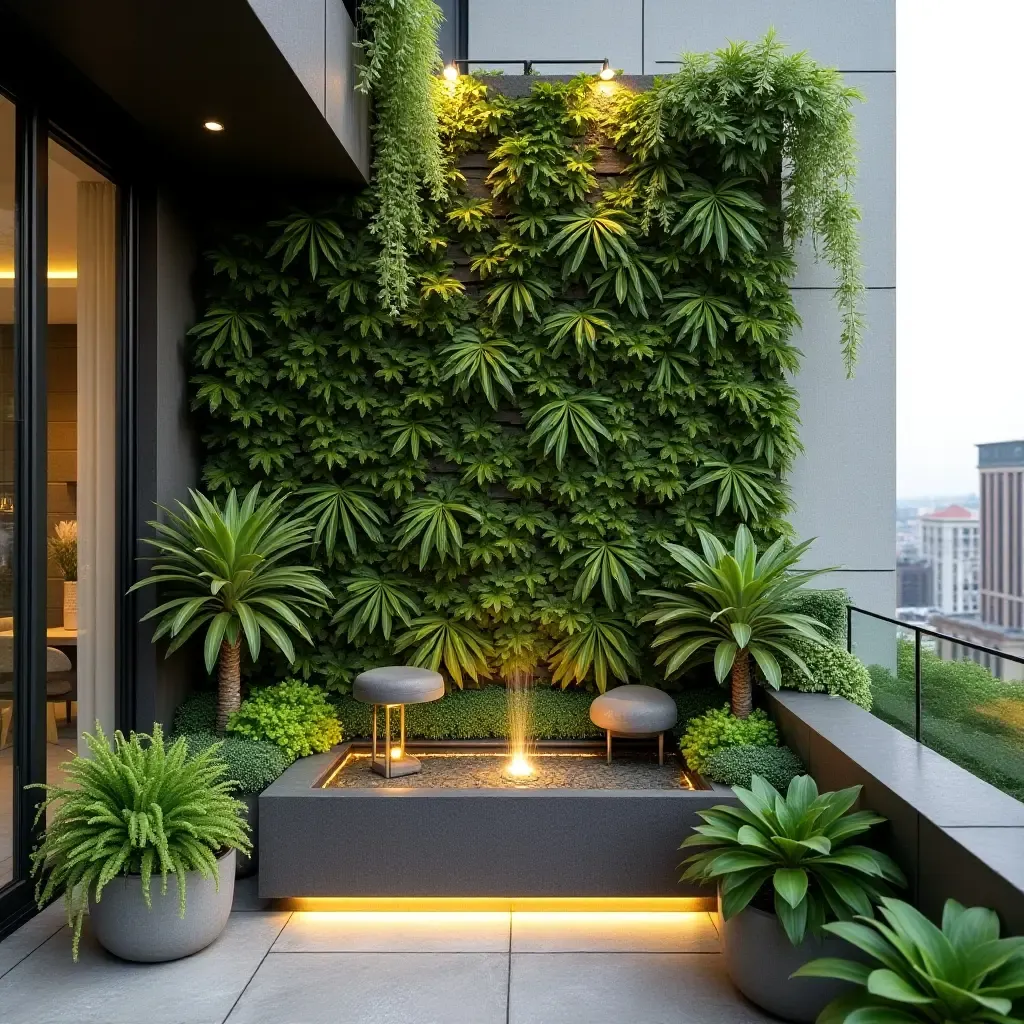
(760, 960)
(123, 925)
(247, 865)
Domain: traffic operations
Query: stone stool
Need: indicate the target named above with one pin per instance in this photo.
(391, 687)
(634, 711)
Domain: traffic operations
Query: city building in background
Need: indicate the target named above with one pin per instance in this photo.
(913, 585)
(998, 621)
(950, 545)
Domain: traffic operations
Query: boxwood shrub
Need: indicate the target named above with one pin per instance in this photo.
(253, 764)
(828, 607)
(833, 670)
(734, 766)
(720, 728)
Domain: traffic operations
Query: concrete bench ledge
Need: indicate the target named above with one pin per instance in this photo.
(954, 834)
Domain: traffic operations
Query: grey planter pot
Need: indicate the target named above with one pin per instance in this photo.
(760, 959)
(248, 865)
(123, 925)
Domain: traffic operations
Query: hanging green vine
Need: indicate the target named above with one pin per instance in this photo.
(760, 108)
(399, 43)
(595, 359)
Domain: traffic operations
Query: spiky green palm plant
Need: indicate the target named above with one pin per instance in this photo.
(234, 569)
(739, 605)
(138, 808)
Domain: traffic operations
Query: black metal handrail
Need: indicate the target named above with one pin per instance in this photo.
(920, 631)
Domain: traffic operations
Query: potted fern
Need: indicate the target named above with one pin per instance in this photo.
(784, 866)
(128, 813)
(234, 569)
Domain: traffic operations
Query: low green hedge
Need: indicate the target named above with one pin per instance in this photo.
(827, 606)
(481, 714)
(967, 715)
(252, 764)
(833, 671)
(719, 728)
(735, 766)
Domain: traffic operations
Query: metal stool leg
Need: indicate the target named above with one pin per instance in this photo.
(608, 746)
(373, 742)
(661, 748)
(387, 741)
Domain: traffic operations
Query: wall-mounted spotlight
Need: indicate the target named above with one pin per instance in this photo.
(451, 72)
(607, 72)
(213, 126)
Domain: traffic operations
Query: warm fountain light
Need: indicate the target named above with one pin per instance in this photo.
(396, 752)
(451, 72)
(519, 768)
(519, 695)
(607, 72)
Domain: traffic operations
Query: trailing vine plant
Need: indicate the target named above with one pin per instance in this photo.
(595, 359)
(398, 39)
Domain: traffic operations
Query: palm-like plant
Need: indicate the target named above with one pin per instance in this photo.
(433, 520)
(735, 606)
(600, 645)
(800, 844)
(376, 601)
(608, 562)
(558, 420)
(481, 360)
(963, 974)
(341, 508)
(723, 212)
(233, 569)
(441, 640)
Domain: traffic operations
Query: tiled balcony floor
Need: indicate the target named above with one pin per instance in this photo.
(274, 967)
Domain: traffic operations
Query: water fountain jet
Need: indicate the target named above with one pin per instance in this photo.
(521, 743)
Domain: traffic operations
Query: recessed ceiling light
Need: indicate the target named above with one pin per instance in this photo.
(213, 126)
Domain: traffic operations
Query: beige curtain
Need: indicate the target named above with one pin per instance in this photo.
(97, 406)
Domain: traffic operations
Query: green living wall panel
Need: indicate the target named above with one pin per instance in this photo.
(594, 362)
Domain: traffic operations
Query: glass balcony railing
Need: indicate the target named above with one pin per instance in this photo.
(962, 700)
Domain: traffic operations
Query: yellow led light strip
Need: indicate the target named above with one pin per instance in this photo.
(51, 275)
(501, 904)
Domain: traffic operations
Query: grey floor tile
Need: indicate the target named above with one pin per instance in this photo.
(48, 988)
(609, 988)
(613, 933)
(376, 988)
(31, 935)
(395, 933)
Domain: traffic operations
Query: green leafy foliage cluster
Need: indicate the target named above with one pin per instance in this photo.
(736, 766)
(967, 714)
(139, 807)
(483, 714)
(295, 717)
(833, 670)
(720, 728)
(594, 359)
(914, 973)
(251, 764)
(797, 848)
(828, 607)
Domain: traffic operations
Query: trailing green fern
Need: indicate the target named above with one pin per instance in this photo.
(138, 808)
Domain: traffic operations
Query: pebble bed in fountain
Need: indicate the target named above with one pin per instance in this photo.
(487, 771)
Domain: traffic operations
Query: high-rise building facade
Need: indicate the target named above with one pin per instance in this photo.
(998, 622)
(950, 544)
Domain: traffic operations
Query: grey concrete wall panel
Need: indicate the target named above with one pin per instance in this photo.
(875, 190)
(954, 834)
(558, 30)
(298, 30)
(844, 483)
(875, 591)
(507, 843)
(852, 35)
(347, 111)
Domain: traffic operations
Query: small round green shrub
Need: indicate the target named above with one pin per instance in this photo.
(721, 728)
(295, 716)
(734, 766)
(252, 764)
(828, 607)
(196, 713)
(834, 671)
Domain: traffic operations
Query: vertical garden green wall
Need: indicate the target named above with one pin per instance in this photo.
(595, 361)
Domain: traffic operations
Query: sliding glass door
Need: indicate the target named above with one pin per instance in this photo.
(59, 404)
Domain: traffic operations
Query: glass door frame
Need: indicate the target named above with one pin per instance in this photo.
(48, 98)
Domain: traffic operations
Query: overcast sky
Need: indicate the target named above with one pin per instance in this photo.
(960, 225)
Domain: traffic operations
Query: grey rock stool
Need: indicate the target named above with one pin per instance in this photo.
(634, 711)
(391, 687)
